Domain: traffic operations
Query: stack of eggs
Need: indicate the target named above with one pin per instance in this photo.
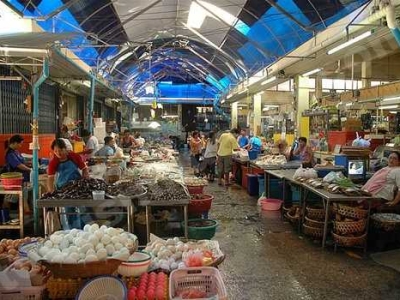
(94, 243)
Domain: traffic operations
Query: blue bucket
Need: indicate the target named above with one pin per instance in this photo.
(252, 184)
(253, 154)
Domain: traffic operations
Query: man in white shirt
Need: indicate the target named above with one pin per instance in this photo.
(92, 143)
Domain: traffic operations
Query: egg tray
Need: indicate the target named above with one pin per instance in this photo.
(83, 270)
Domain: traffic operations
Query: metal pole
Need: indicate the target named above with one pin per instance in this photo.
(91, 103)
(35, 142)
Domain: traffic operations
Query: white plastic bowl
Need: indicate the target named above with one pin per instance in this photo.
(98, 195)
(138, 264)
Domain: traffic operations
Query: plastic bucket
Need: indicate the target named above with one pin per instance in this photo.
(199, 206)
(271, 204)
(205, 230)
(252, 184)
(253, 154)
(195, 189)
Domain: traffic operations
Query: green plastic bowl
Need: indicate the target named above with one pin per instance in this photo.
(201, 229)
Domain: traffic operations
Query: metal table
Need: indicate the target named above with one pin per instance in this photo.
(149, 204)
(118, 202)
(20, 192)
(327, 198)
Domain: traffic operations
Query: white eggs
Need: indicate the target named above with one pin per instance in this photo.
(118, 246)
(101, 254)
(121, 256)
(99, 246)
(174, 266)
(56, 239)
(91, 258)
(99, 234)
(86, 247)
(93, 240)
(74, 232)
(123, 238)
(90, 252)
(176, 239)
(44, 250)
(48, 244)
(103, 227)
(124, 250)
(73, 249)
(82, 255)
(57, 258)
(86, 228)
(70, 260)
(171, 248)
(93, 228)
(106, 239)
(115, 239)
(170, 242)
(64, 244)
(111, 231)
(110, 249)
(75, 256)
(69, 237)
(79, 242)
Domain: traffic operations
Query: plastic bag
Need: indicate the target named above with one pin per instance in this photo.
(333, 177)
(263, 197)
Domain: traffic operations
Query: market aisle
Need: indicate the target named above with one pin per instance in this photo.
(266, 259)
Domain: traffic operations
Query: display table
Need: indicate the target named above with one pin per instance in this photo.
(20, 192)
(327, 198)
(149, 204)
(45, 204)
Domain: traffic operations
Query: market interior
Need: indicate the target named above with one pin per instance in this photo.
(146, 146)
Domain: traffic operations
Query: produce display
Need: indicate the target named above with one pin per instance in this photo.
(167, 190)
(78, 189)
(93, 243)
(195, 181)
(125, 188)
(173, 253)
(9, 248)
(151, 286)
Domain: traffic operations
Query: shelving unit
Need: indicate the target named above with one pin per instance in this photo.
(323, 120)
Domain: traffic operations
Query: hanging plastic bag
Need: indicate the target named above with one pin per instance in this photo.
(263, 197)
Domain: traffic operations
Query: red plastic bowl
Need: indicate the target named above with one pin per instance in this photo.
(200, 205)
(195, 189)
(271, 204)
(11, 183)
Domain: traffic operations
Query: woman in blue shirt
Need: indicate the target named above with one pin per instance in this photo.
(14, 160)
(108, 149)
(242, 139)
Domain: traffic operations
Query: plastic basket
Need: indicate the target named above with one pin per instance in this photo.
(195, 189)
(207, 280)
(23, 293)
(200, 205)
(12, 183)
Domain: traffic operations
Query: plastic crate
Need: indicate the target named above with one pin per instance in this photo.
(23, 293)
(205, 279)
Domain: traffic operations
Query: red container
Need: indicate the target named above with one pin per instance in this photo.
(200, 205)
(341, 138)
(11, 183)
(271, 204)
(195, 189)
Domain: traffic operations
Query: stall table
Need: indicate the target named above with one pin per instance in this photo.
(327, 198)
(117, 202)
(20, 192)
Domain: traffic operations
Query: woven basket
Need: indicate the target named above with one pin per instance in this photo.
(349, 241)
(344, 228)
(350, 212)
(313, 231)
(314, 223)
(315, 213)
(386, 225)
(59, 288)
(85, 270)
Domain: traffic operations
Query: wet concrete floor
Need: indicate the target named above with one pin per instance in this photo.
(267, 259)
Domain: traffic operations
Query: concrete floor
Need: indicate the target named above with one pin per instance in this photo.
(267, 259)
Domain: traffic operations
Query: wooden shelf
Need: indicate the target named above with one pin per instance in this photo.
(10, 226)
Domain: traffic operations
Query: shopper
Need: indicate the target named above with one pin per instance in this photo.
(109, 147)
(210, 156)
(139, 140)
(243, 140)
(385, 182)
(63, 168)
(195, 152)
(227, 143)
(91, 143)
(304, 153)
(255, 144)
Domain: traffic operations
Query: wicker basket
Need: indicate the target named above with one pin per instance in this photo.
(314, 223)
(349, 241)
(386, 225)
(344, 228)
(292, 218)
(85, 270)
(350, 212)
(313, 231)
(59, 288)
(315, 213)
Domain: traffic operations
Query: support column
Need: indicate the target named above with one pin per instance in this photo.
(257, 114)
(302, 103)
(318, 87)
(35, 143)
(366, 73)
(91, 103)
(234, 115)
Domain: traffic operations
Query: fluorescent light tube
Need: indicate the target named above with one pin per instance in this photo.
(312, 72)
(391, 98)
(394, 111)
(229, 96)
(349, 104)
(196, 17)
(23, 50)
(223, 101)
(350, 42)
(268, 80)
(245, 90)
(388, 107)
